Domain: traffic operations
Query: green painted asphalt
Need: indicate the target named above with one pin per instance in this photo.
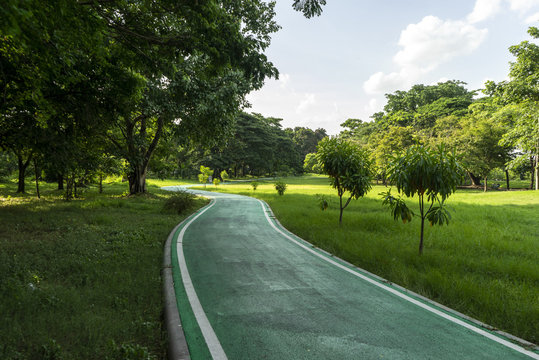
(267, 297)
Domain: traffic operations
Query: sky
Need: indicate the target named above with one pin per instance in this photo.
(339, 65)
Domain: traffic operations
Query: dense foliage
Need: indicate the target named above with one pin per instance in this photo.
(92, 79)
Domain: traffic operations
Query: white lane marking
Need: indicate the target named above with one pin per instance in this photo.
(211, 339)
(401, 295)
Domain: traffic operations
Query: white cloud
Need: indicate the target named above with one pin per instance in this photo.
(308, 100)
(425, 46)
(522, 5)
(433, 41)
(532, 18)
(380, 83)
(284, 79)
(373, 106)
(483, 10)
(440, 80)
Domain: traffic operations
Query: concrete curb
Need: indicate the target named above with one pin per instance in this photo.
(177, 345)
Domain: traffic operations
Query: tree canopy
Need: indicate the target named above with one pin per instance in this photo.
(349, 169)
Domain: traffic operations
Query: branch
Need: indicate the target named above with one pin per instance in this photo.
(153, 145)
(347, 202)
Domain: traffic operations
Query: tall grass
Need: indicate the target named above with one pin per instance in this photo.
(484, 264)
(81, 279)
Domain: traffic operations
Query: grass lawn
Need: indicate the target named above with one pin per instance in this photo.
(82, 279)
(484, 264)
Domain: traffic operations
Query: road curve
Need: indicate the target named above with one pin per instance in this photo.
(248, 289)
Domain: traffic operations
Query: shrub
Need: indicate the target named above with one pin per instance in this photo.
(280, 187)
(216, 181)
(254, 184)
(224, 175)
(323, 202)
(180, 202)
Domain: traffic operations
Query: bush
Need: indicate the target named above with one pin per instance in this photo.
(180, 202)
(254, 184)
(280, 187)
(323, 202)
(216, 181)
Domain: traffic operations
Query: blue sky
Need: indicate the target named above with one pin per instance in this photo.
(340, 65)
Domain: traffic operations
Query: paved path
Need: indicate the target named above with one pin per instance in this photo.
(248, 289)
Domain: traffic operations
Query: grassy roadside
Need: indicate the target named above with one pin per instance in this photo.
(81, 279)
(484, 264)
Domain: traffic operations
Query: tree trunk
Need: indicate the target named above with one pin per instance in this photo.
(537, 172)
(422, 213)
(340, 206)
(421, 237)
(137, 180)
(507, 179)
(532, 177)
(60, 181)
(37, 179)
(476, 181)
(69, 188)
(22, 171)
(485, 185)
(100, 183)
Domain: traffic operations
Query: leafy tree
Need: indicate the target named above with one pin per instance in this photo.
(424, 172)
(311, 165)
(358, 131)
(306, 139)
(524, 135)
(349, 169)
(479, 141)
(259, 146)
(309, 8)
(205, 173)
(224, 175)
(385, 144)
(522, 89)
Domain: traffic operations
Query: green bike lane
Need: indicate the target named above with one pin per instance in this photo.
(248, 289)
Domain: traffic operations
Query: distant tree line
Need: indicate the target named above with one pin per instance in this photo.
(258, 146)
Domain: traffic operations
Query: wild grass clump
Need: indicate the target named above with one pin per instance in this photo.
(81, 279)
(180, 202)
(254, 185)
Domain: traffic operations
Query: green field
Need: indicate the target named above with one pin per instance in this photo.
(484, 264)
(82, 279)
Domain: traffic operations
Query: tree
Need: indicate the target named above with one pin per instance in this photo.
(136, 69)
(385, 144)
(309, 8)
(194, 74)
(424, 172)
(311, 165)
(479, 140)
(349, 169)
(205, 173)
(224, 175)
(524, 135)
(522, 89)
(306, 139)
